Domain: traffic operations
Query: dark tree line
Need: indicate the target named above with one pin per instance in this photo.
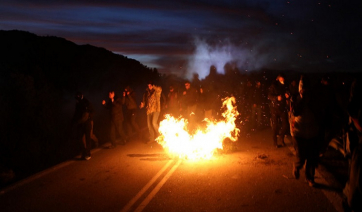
(38, 79)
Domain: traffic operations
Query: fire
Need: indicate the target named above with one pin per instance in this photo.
(175, 138)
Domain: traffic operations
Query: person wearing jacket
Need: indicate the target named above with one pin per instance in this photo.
(278, 97)
(353, 191)
(152, 101)
(129, 99)
(114, 105)
(172, 102)
(305, 130)
(82, 122)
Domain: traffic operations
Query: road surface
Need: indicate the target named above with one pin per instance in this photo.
(251, 176)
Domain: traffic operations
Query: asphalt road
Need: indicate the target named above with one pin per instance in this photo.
(251, 176)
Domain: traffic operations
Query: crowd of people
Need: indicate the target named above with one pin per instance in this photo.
(308, 112)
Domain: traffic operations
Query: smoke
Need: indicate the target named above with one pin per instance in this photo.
(206, 55)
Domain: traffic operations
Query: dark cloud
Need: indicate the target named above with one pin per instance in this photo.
(171, 35)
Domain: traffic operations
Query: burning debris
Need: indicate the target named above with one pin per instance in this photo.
(176, 138)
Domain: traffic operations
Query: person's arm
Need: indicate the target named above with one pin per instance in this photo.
(142, 105)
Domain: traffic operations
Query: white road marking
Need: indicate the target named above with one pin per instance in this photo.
(145, 188)
(157, 188)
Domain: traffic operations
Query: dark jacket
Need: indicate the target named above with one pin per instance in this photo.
(275, 90)
(306, 119)
(130, 100)
(190, 98)
(115, 109)
(83, 111)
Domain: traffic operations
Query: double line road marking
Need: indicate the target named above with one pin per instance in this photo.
(145, 202)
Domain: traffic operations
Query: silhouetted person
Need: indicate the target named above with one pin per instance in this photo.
(172, 102)
(114, 105)
(306, 130)
(331, 111)
(195, 80)
(82, 123)
(353, 191)
(189, 102)
(209, 101)
(278, 96)
(129, 99)
(151, 100)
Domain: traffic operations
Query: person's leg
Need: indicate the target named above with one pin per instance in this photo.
(150, 127)
(284, 128)
(88, 140)
(312, 159)
(155, 124)
(93, 136)
(119, 128)
(191, 114)
(300, 151)
(112, 134)
(134, 122)
(274, 125)
(127, 123)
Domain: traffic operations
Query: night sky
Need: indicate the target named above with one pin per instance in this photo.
(182, 37)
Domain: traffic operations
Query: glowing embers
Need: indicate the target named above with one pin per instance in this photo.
(203, 143)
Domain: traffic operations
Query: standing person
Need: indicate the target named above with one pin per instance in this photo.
(129, 99)
(352, 191)
(152, 101)
(172, 104)
(256, 105)
(114, 105)
(209, 101)
(305, 130)
(82, 121)
(189, 102)
(278, 97)
(333, 115)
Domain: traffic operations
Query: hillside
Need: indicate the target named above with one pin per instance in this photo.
(38, 79)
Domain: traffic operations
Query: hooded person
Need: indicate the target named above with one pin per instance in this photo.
(305, 130)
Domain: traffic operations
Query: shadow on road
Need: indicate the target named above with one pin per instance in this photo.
(151, 157)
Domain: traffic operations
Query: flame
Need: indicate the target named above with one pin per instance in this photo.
(175, 138)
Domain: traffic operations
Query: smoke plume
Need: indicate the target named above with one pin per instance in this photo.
(205, 55)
